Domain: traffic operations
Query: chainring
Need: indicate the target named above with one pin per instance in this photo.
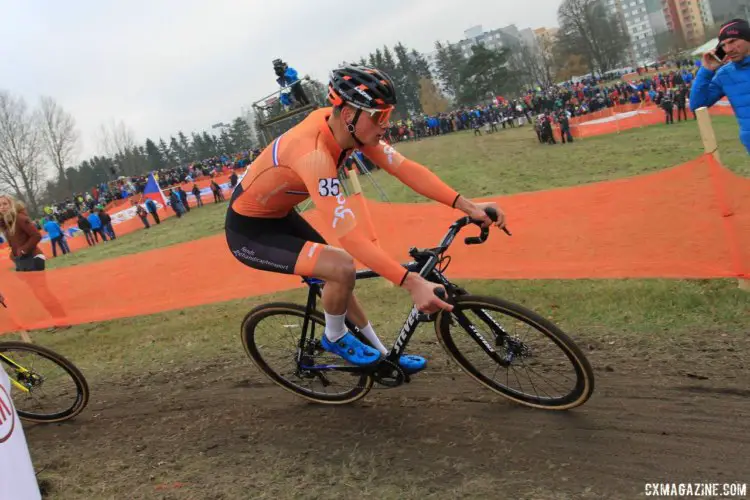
(388, 374)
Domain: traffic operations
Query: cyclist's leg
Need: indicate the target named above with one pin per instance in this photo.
(340, 297)
(280, 245)
(337, 268)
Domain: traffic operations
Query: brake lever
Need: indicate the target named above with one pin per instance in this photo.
(493, 215)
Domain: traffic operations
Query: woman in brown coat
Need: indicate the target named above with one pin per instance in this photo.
(22, 235)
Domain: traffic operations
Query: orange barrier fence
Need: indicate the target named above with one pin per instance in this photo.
(202, 183)
(127, 226)
(690, 221)
(626, 117)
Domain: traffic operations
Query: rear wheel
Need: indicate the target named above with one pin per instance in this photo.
(271, 335)
(516, 353)
(53, 388)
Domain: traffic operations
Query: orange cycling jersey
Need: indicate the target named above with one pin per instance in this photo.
(303, 163)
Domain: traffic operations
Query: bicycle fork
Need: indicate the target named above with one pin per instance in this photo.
(19, 370)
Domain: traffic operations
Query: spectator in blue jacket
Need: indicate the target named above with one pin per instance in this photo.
(730, 77)
(153, 210)
(176, 203)
(287, 77)
(54, 231)
(96, 226)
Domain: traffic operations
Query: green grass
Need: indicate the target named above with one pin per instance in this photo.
(199, 223)
(511, 161)
(658, 311)
(665, 324)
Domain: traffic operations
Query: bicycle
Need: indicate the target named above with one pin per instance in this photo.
(503, 349)
(30, 382)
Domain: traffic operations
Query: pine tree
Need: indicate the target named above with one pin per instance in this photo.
(449, 64)
(378, 58)
(187, 153)
(166, 153)
(485, 75)
(199, 148)
(388, 65)
(155, 159)
(210, 144)
(225, 142)
(177, 151)
(409, 81)
(241, 134)
(421, 66)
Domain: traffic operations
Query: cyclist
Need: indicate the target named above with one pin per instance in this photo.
(265, 232)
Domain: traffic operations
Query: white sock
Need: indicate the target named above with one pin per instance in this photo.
(335, 326)
(370, 335)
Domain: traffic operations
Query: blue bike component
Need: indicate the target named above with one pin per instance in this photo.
(313, 281)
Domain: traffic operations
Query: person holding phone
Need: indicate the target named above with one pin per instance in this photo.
(726, 72)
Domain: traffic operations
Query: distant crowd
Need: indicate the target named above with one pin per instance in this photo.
(127, 187)
(556, 104)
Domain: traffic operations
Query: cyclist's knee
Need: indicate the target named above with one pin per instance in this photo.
(337, 266)
(345, 269)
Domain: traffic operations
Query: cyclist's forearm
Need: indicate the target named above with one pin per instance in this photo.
(465, 205)
(425, 182)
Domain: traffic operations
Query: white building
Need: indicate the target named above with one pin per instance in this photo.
(642, 19)
(496, 39)
(706, 13)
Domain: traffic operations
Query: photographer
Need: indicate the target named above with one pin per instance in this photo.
(287, 77)
(726, 72)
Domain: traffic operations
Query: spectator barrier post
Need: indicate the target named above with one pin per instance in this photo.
(710, 146)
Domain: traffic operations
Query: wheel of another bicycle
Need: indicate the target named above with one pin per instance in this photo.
(534, 346)
(57, 389)
(271, 335)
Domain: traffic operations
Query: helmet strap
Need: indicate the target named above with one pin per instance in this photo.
(352, 125)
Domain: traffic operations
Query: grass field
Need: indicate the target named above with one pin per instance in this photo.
(505, 163)
(509, 162)
(198, 349)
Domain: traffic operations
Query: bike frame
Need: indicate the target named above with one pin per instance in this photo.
(425, 263)
(5, 359)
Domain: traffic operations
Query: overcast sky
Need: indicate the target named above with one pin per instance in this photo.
(167, 65)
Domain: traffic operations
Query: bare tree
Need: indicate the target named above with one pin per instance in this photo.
(533, 65)
(21, 148)
(117, 140)
(587, 29)
(59, 134)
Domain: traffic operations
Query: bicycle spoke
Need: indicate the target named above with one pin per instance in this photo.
(276, 341)
(538, 369)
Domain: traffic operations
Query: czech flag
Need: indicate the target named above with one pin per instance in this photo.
(153, 191)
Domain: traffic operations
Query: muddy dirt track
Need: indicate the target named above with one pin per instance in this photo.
(222, 430)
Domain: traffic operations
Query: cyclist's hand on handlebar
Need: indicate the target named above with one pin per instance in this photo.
(477, 212)
(423, 294)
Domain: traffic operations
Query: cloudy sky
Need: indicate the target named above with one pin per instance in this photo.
(167, 65)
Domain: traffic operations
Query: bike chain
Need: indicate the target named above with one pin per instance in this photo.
(395, 375)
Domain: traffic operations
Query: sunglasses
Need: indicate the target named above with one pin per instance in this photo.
(381, 116)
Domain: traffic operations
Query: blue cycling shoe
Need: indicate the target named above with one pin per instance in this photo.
(412, 364)
(352, 350)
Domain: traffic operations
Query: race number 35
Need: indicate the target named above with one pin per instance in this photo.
(329, 187)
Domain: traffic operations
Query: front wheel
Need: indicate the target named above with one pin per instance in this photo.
(46, 387)
(516, 353)
(271, 335)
